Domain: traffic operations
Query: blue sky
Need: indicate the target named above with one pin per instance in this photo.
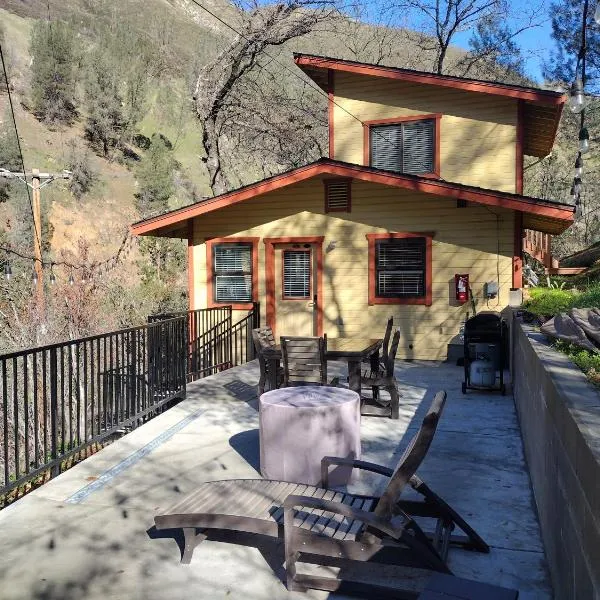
(536, 43)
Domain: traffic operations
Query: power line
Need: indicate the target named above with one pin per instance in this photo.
(284, 66)
(63, 263)
(12, 110)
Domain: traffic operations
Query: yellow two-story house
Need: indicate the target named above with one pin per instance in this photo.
(418, 210)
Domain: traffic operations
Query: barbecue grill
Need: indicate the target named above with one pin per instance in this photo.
(484, 352)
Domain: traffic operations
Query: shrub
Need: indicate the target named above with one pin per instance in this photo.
(588, 298)
(588, 362)
(548, 302)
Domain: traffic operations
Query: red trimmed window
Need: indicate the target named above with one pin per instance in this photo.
(399, 268)
(232, 272)
(337, 195)
(405, 145)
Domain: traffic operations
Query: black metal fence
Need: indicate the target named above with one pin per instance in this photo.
(57, 400)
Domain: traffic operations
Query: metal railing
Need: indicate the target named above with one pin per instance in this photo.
(57, 400)
(60, 399)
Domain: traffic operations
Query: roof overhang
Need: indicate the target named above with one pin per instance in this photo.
(541, 215)
(541, 108)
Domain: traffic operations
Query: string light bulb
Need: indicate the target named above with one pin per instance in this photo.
(71, 279)
(52, 276)
(576, 189)
(584, 140)
(577, 100)
(7, 270)
(579, 165)
(34, 276)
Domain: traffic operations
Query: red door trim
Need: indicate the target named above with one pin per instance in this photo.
(270, 244)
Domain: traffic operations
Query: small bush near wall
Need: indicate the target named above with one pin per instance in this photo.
(548, 302)
(587, 361)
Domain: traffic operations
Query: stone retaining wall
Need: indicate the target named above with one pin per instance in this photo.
(559, 415)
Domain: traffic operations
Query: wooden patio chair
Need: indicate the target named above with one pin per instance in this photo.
(304, 361)
(322, 522)
(385, 347)
(263, 339)
(383, 380)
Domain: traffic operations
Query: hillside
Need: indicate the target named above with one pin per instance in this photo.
(175, 39)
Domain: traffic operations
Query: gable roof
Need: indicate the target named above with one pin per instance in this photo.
(541, 109)
(541, 215)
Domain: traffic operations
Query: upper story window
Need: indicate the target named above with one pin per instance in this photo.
(406, 146)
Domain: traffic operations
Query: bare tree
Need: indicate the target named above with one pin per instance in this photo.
(369, 33)
(439, 22)
(225, 85)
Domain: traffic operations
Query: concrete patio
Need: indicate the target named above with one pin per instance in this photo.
(88, 533)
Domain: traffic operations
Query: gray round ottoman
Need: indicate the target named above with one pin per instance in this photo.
(300, 425)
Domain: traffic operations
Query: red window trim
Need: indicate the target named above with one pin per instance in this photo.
(327, 183)
(210, 303)
(397, 120)
(293, 298)
(372, 239)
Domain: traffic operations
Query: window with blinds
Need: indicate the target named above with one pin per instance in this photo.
(337, 195)
(400, 266)
(232, 272)
(407, 147)
(296, 274)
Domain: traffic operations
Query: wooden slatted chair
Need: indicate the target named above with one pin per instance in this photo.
(304, 361)
(385, 347)
(263, 339)
(330, 523)
(383, 380)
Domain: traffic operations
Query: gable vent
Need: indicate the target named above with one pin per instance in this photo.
(337, 195)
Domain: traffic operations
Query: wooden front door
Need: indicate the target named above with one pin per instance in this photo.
(296, 293)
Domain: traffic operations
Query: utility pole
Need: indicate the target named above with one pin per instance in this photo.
(38, 181)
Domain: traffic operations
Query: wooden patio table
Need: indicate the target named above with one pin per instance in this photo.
(353, 350)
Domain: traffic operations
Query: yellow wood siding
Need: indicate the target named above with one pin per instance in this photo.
(465, 240)
(477, 133)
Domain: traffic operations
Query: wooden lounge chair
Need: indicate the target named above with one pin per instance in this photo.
(328, 523)
(263, 339)
(383, 380)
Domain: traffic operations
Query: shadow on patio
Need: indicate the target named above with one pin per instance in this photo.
(89, 532)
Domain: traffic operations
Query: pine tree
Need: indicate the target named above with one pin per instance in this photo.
(52, 71)
(106, 123)
(155, 175)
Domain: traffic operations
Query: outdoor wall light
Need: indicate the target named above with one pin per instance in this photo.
(578, 166)
(577, 101)
(584, 140)
(331, 246)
